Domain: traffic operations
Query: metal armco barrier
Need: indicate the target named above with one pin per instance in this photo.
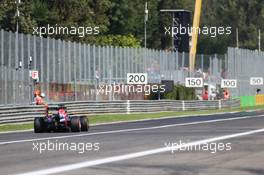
(21, 114)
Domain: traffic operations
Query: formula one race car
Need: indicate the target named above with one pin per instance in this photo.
(57, 119)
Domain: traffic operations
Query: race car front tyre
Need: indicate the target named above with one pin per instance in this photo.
(84, 123)
(38, 124)
(75, 124)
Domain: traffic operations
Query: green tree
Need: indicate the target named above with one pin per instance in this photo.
(8, 18)
(126, 18)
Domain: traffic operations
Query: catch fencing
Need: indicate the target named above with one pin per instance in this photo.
(70, 71)
(242, 65)
(22, 114)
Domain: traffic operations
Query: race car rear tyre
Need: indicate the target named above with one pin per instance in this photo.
(75, 124)
(84, 123)
(38, 124)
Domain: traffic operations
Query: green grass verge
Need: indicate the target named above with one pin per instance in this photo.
(15, 127)
(97, 119)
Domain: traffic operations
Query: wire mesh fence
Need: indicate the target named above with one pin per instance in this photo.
(71, 71)
(243, 65)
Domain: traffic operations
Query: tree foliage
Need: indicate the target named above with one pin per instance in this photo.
(121, 22)
(118, 40)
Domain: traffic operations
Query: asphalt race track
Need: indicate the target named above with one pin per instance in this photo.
(139, 148)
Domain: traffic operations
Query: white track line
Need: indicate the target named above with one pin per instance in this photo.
(130, 130)
(86, 164)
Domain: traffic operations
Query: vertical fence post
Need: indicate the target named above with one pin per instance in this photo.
(74, 70)
(2, 65)
(79, 63)
(128, 106)
(183, 106)
(125, 62)
(111, 63)
(94, 71)
(30, 92)
(2, 83)
(85, 63)
(121, 64)
(88, 64)
(11, 67)
(5, 94)
(41, 78)
(105, 64)
(202, 62)
(64, 68)
(16, 70)
(115, 63)
(133, 60)
(2, 47)
(21, 80)
(219, 104)
(53, 61)
(48, 69)
(69, 62)
(144, 60)
(98, 69)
